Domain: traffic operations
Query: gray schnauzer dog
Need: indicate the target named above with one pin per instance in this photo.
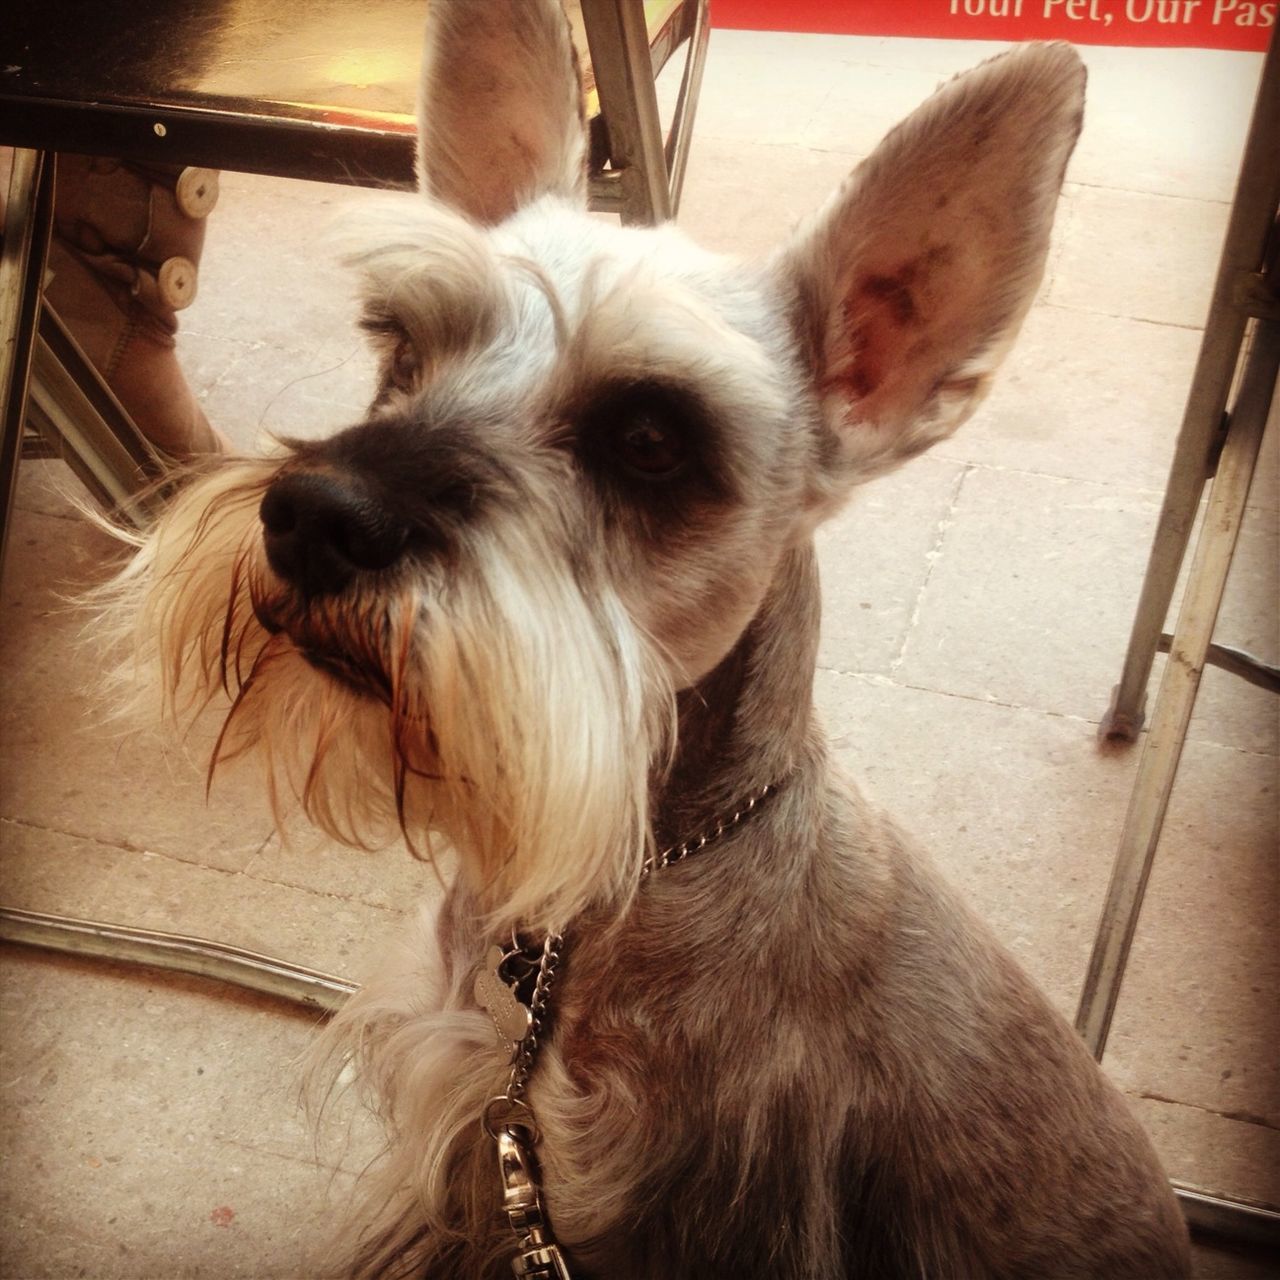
(553, 606)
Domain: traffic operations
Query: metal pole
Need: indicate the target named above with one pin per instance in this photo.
(1176, 699)
(1252, 212)
(681, 135)
(1246, 1222)
(179, 953)
(619, 43)
(28, 218)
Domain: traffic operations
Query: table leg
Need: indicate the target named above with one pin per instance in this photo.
(1252, 213)
(28, 219)
(1163, 748)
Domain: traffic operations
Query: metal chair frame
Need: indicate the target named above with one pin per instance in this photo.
(1217, 446)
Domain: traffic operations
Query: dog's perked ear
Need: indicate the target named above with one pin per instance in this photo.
(500, 114)
(912, 282)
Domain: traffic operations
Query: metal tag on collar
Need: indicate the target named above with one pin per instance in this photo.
(540, 1262)
(539, 1257)
(512, 1018)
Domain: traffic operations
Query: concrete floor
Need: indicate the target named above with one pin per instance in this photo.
(978, 604)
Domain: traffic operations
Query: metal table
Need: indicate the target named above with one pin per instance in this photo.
(288, 88)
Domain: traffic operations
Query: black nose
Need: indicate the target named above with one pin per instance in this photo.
(320, 530)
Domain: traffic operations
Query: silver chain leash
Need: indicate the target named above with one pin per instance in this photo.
(507, 1118)
(509, 1121)
(679, 852)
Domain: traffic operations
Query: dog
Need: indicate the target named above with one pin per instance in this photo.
(691, 1006)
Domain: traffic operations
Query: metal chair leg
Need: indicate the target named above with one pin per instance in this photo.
(79, 420)
(28, 219)
(1256, 200)
(681, 135)
(619, 44)
(1163, 747)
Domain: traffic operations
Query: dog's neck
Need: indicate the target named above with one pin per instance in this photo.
(746, 724)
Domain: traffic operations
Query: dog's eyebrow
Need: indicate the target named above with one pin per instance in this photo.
(430, 275)
(645, 329)
(537, 276)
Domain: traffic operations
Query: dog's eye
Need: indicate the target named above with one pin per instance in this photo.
(644, 430)
(649, 446)
(403, 367)
(399, 360)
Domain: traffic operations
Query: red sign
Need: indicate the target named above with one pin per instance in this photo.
(1196, 24)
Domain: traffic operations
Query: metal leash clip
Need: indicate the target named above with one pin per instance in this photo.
(539, 1258)
(519, 1015)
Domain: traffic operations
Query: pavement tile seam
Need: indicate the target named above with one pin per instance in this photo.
(16, 821)
(121, 845)
(941, 453)
(72, 517)
(284, 882)
(854, 157)
(194, 329)
(246, 874)
(1119, 315)
(887, 682)
(1138, 492)
(318, 893)
(931, 557)
(1063, 225)
(232, 874)
(1236, 1117)
(1078, 183)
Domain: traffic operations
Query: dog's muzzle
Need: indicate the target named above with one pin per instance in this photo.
(321, 530)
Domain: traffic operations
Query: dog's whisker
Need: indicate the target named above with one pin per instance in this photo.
(235, 598)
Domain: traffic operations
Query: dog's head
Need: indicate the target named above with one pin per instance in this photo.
(590, 449)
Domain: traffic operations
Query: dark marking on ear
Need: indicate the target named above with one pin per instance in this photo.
(864, 374)
(876, 316)
(939, 255)
(856, 385)
(863, 381)
(860, 380)
(895, 293)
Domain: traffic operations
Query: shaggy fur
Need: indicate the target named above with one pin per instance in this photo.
(555, 603)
